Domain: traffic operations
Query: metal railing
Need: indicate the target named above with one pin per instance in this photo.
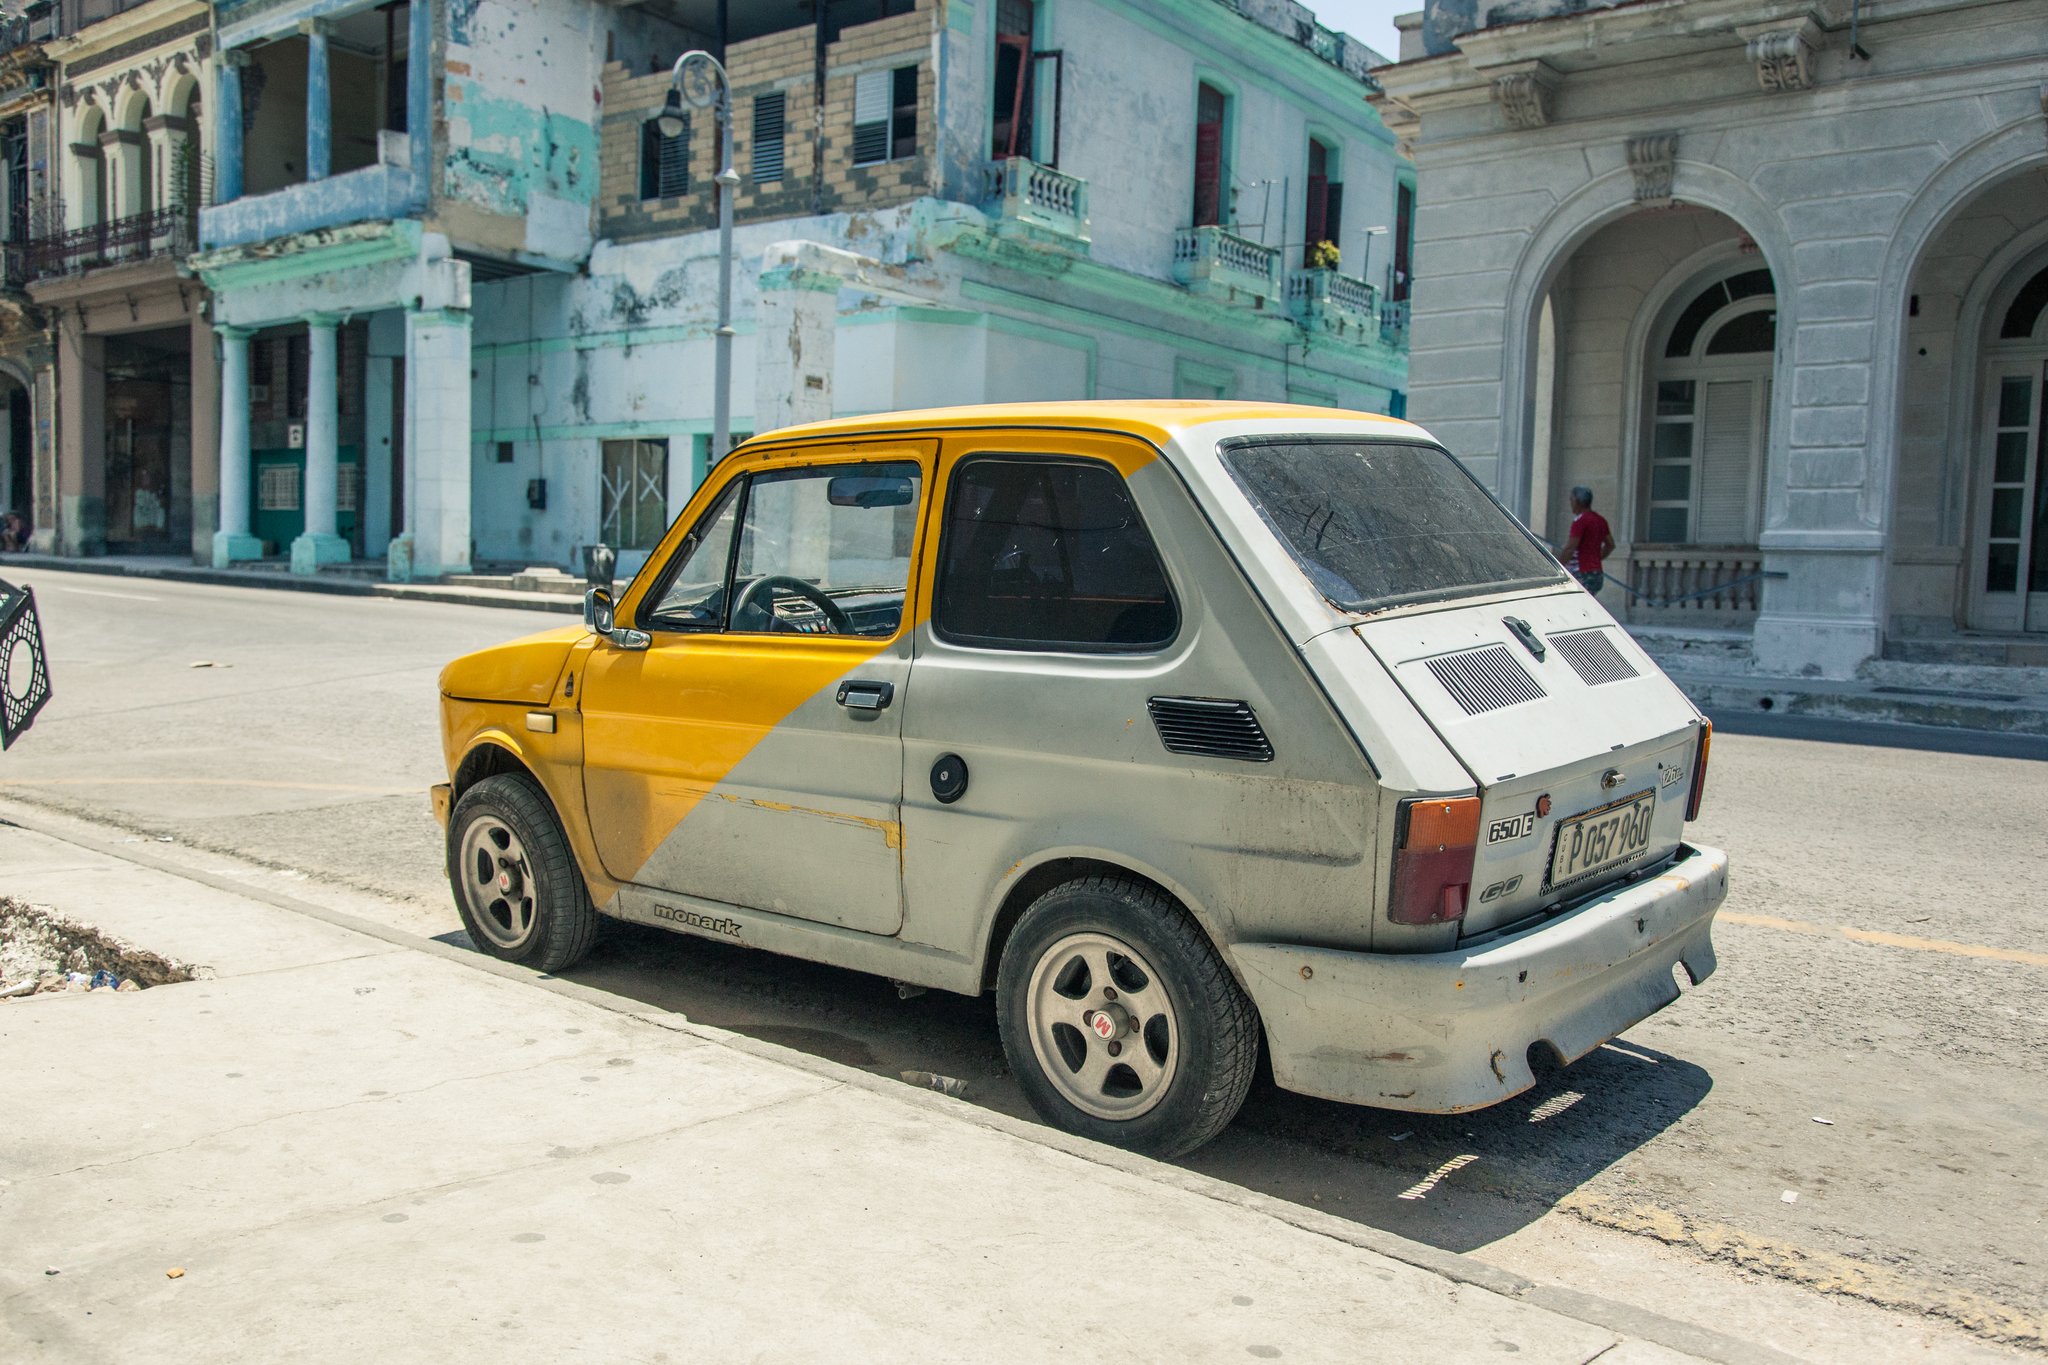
(143, 236)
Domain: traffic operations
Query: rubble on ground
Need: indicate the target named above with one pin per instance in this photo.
(41, 952)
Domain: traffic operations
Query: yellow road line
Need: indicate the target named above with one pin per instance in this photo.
(199, 782)
(1924, 945)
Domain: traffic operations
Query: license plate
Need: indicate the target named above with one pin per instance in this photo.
(1601, 838)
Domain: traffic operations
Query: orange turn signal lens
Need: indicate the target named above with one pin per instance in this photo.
(1443, 824)
(1699, 771)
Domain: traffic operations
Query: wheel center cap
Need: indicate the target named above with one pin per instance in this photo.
(1109, 1023)
(507, 878)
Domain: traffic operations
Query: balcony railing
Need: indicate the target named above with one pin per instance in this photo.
(1340, 304)
(1667, 581)
(1394, 322)
(1218, 262)
(139, 237)
(1022, 191)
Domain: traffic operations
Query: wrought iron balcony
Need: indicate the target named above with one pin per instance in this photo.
(1225, 266)
(1035, 197)
(1334, 303)
(161, 233)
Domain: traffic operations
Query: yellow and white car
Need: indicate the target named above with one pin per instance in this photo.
(1177, 725)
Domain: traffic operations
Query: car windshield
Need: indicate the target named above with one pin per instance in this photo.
(1376, 524)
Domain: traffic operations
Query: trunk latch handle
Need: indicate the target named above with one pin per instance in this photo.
(1526, 633)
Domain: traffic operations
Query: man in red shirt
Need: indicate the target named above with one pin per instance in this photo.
(1591, 541)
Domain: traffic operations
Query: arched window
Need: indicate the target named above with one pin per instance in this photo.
(1711, 394)
(91, 169)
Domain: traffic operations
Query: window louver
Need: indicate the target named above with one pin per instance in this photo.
(1210, 727)
(1593, 656)
(1485, 679)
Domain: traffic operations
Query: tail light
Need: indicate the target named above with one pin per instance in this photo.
(1437, 841)
(1699, 771)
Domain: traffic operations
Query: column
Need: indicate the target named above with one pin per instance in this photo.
(121, 149)
(796, 314)
(419, 95)
(319, 107)
(320, 544)
(82, 440)
(233, 541)
(205, 371)
(437, 445)
(227, 116)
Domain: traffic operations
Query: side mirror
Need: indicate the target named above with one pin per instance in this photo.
(600, 565)
(597, 610)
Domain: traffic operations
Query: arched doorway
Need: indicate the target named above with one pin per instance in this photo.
(2009, 568)
(1702, 477)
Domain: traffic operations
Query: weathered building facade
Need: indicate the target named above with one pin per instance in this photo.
(1768, 278)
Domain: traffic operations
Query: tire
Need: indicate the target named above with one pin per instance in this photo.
(1187, 1037)
(516, 885)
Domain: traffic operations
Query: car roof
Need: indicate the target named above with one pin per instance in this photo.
(1157, 420)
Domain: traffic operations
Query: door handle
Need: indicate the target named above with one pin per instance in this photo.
(857, 695)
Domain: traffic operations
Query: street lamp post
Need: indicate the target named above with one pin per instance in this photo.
(700, 78)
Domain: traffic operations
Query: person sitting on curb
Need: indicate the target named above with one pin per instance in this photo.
(13, 532)
(1590, 543)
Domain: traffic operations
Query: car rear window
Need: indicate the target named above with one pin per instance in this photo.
(1375, 524)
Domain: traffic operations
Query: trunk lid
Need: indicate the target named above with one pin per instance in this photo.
(1590, 724)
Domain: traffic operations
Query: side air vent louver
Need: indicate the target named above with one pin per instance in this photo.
(1210, 727)
(1593, 656)
(1485, 679)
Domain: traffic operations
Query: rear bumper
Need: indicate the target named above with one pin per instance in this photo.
(1445, 1032)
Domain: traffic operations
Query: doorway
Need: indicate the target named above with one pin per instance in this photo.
(148, 437)
(2010, 567)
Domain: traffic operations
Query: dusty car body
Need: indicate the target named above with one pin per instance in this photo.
(1178, 725)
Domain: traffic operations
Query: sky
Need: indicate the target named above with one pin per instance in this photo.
(1369, 21)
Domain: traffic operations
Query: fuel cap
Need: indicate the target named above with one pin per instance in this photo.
(949, 778)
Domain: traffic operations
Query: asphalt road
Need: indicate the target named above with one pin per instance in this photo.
(306, 744)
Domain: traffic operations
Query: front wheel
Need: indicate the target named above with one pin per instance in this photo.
(516, 884)
(1120, 1020)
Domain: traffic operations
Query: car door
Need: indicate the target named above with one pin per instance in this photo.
(752, 753)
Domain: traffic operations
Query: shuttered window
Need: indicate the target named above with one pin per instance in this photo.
(872, 94)
(769, 126)
(664, 161)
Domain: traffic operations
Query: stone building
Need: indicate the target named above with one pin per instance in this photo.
(29, 209)
(1771, 279)
(135, 398)
(982, 202)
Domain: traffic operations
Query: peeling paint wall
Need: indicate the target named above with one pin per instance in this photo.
(521, 98)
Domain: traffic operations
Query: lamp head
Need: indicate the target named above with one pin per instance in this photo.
(670, 120)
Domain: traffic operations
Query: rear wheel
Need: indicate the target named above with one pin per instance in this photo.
(1120, 1020)
(516, 884)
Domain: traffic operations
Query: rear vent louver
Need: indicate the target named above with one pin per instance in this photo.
(1593, 656)
(1210, 727)
(1485, 679)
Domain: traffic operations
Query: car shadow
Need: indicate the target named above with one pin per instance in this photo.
(1396, 1171)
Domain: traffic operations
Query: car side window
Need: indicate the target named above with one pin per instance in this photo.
(693, 596)
(1049, 554)
(825, 550)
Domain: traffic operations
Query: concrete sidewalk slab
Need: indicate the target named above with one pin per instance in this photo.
(352, 1149)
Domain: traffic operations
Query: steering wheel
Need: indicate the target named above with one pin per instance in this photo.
(838, 620)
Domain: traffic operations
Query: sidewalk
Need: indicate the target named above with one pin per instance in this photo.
(180, 570)
(358, 1143)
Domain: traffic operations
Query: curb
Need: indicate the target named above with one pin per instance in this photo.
(333, 587)
(1788, 697)
(1610, 1314)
